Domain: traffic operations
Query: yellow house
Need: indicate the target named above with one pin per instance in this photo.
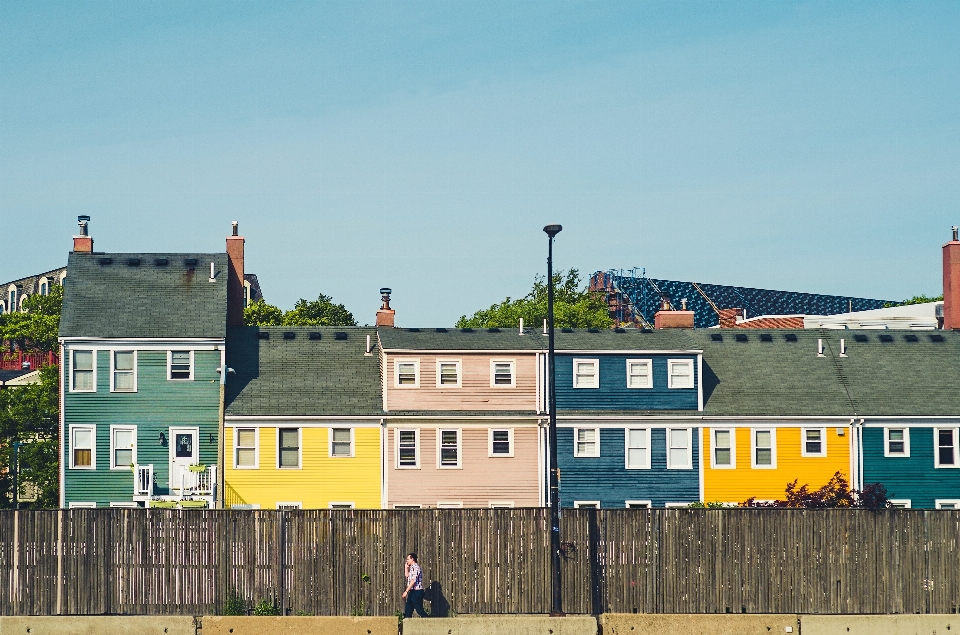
(302, 419)
(757, 459)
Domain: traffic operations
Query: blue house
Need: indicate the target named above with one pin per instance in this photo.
(628, 410)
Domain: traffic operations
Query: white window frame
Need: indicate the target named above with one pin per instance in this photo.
(245, 506)
(773, 449)
(353, 446)
(490, 452)
(459, 465)
(906, 442)
(341, 505)
(82, 505)
(193, 368)
(640, 504)
(256, 448)
(113, 369)
(823, 443)
(956, 449)
(396, 447)
(640, 362)
(416, 372)
(407, 506)
(940, 502)
(596, 375)
(586, 504)
(576, 443)
(713, 449)
(501, 504)
(689, 465)
(513, 373)
(449, 504)
(677, 505)
(900, 503)
(459, 365)
(299, 448)
(43, 286)
(286, 505)
(627, 447)
(113, 447)
(93, 450)
(680, 362)
(124, 504)
(93, 353)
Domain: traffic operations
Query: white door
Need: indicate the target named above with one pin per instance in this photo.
(183, 453)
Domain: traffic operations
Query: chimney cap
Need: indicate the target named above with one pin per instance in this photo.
(235, 227)
(955, 237)
(386, 291)
(83, 219)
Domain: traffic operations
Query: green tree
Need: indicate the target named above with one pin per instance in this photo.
(35, 328)
(572, 307)
(29, 414)
(260, 313)
(917, 299)
(319, 312)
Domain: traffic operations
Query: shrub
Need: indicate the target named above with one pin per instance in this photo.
(266, 607)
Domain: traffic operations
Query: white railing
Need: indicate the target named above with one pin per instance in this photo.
(143, 481)
(196, 483)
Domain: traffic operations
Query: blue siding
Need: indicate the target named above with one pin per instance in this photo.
(605, 478)
(613, 393)
(913, 477)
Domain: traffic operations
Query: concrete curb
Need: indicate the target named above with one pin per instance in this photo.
(502, 625)
(298, 625)
(98, 625)
(701, 624)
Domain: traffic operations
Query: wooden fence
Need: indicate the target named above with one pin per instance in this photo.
(127, 561)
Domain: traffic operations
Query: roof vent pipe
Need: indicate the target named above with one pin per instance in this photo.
(368, 344)
(843, 348)
(213, 273)
(820, 348)
(544, 327)
(521, 326)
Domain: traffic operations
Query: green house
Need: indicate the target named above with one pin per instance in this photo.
(142, 344)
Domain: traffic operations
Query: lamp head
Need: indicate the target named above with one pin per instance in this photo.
(552, 230)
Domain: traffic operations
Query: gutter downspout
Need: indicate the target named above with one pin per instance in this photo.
(219, 499)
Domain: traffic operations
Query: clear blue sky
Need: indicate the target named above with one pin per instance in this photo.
(807, 146)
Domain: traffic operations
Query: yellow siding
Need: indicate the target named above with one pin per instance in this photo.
(322, 479)
(737, 485)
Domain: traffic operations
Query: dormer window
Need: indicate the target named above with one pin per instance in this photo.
(502, 373)
(407, 373)
(180, 365)
(448, 373)
(639, 373)
(586, 373)
(681, 373)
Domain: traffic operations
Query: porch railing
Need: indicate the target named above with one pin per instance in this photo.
(27, 361)
(142, 481)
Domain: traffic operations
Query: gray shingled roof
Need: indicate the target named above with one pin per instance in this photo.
(119, 300)
(438, 339)
(300, 376)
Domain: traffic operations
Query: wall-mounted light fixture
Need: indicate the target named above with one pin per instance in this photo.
(163, 439)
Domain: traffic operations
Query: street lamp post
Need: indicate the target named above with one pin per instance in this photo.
(557, 610)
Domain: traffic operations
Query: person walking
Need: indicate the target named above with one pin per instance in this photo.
(413, 594)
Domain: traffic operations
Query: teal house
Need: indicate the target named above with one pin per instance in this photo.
(142, 343)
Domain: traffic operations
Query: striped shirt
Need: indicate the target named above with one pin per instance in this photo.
(416, 576)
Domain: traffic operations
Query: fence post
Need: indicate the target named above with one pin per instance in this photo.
(282, 558)
(597, 595)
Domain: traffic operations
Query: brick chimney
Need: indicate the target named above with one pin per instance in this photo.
(235, 278)
(951, 283)
(83, 243)
(728, 317)
(385, 316)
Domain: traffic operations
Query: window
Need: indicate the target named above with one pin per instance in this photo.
(288, 455)
(764, 450)
(12, 304)
(586, 373)
(896, 442)
(83, 447)
(245, 449)
(501, 442)
(341, 505)
(125, 504)
(501, 373)
(945, 440)
(123, 447)
(676, 505)
(814, 442)
(341, 441)
(449, 453)
(408, 448)
(639, 373)
(84, 505)
(586, 504)
(638, 448)
(587, 442)
(501, 504)
(180, 365)
(407, 373)
(724, 449)
(83, 375)
(124, 371)
(449, 505)
(679, 450)
(901, 503)
(245, 506)
(44, 286)
(407, 507)
(680, 373)
(947, 503)
(288, 506)
(637, 504)
(448, 374)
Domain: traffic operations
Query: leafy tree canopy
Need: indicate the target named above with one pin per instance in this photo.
(917, 299)
(319, 312)
(29, 414)
(35, 328)
(572, 307)
(837, 493)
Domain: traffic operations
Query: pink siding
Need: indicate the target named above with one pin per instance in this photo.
(475, 391)
(480, 480)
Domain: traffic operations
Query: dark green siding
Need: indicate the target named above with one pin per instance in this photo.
(157, 405)
(913, 477)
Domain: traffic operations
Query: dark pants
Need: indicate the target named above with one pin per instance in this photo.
(414, 603)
